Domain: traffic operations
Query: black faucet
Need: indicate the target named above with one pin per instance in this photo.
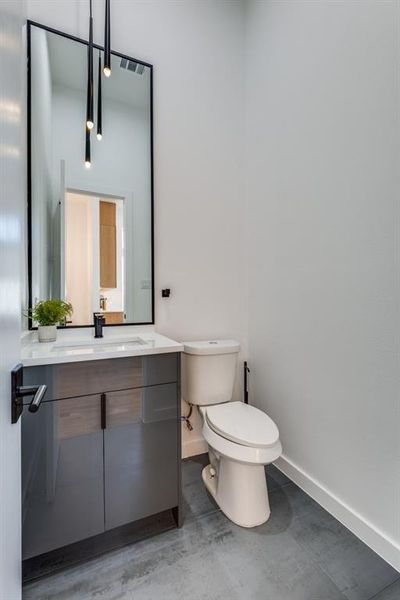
(99, 322)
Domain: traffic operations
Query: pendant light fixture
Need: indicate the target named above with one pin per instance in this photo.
(107, 39)
(88, 158)
(99, 103)
(89, 99)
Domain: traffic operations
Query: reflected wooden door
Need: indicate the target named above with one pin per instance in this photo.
(108, 245)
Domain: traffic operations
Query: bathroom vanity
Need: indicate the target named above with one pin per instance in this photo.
(102, 453)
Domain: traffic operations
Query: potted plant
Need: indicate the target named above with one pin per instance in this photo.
(48, 314)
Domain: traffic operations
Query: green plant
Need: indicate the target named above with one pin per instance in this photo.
(50, 312)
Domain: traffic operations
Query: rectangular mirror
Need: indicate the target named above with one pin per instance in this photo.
(90, 229)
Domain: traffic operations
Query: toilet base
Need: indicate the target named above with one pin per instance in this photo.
(240, 490)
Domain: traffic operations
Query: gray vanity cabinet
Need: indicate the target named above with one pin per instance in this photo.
(62, 474)
(102, 451)
(140, 453)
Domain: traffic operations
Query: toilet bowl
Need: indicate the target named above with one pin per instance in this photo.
(241, 438)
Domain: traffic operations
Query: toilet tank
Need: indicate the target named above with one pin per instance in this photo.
(208, 371)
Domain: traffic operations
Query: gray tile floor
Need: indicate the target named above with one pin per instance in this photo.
(302, 553)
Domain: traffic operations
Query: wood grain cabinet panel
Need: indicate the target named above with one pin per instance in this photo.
(124, 407)
(96, 377)
(79, 416)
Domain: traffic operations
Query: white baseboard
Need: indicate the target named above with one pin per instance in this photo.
(376, 539)
(194, 447)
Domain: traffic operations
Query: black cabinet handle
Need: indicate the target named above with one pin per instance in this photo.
(38, 392)
(19, 392)
(103, 411)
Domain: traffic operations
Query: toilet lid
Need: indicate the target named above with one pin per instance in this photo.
(243, 424)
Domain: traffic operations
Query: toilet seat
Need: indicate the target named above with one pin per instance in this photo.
(243, 454)
(243, 424)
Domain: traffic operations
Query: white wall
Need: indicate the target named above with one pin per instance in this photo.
(12, 205)
(322, 199)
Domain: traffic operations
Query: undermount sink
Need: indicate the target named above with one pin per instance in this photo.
(100, 344)
(77, 346)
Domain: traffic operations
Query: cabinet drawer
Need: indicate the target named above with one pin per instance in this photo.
(97, 376)
(68, 380)
(148, 405)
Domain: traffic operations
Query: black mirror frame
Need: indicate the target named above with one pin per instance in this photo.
(31, 24)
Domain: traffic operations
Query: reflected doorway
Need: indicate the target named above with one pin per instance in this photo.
(94, 257)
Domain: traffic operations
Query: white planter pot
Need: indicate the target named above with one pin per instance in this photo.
(47, 333)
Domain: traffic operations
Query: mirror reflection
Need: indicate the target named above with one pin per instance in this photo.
(91, 228)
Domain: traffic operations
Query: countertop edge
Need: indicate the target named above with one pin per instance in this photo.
(54, 360)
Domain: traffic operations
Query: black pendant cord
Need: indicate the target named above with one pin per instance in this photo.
(90, 104)
(107, 39)
(99, 103)
(89, 99)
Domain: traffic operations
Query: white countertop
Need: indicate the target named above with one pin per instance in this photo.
(77, 345)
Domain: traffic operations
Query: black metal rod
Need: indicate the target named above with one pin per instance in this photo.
(246, 372)
(103, 411)
(107, 39)
(109, 35)
(88, 154)
(99, 103)
(89, 97)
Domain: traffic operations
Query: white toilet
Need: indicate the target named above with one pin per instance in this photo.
(241, 438)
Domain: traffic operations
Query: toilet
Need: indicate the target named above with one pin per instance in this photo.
(241, 438)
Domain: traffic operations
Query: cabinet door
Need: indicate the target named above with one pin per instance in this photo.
(62, 474)
(140, 453)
